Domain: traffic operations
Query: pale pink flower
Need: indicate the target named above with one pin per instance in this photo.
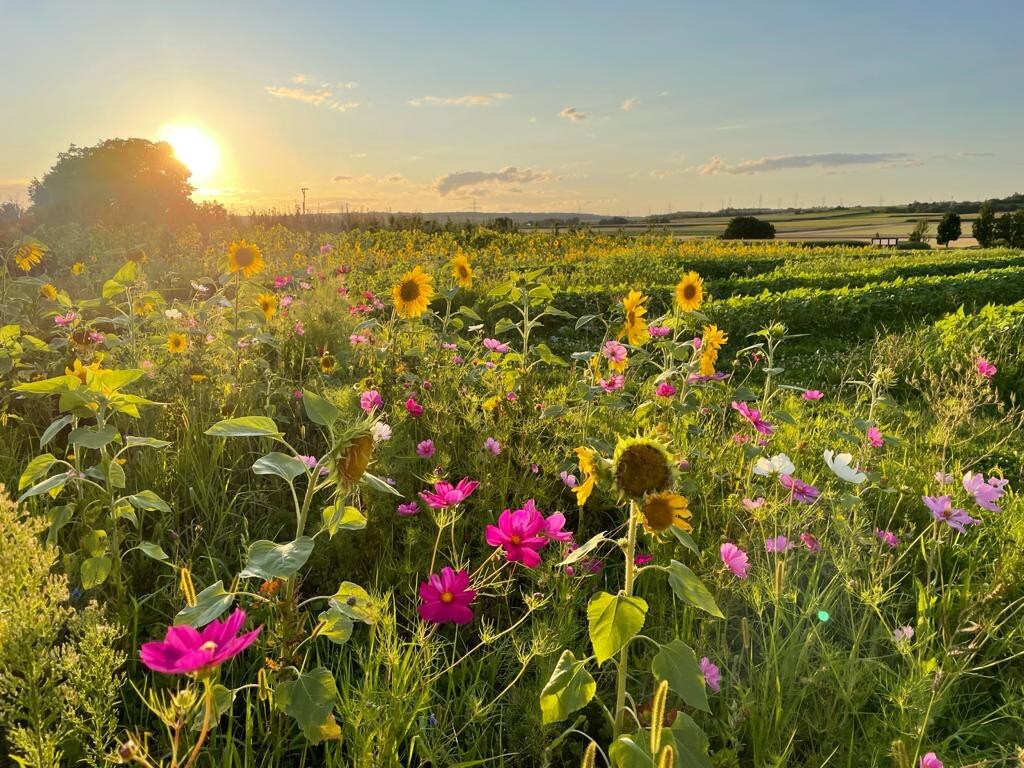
(735, 559)
(712, 677)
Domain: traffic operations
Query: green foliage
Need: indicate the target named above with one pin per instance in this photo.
(748, 228)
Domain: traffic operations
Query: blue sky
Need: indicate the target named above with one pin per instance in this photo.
(604, 107)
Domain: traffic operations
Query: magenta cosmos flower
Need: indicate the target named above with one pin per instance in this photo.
(659, 331)
(413, 408)
(613, 383)
(712, 677)
(930, 760)
(753, 416)
(408, 509)
(985, 492)
(188, 651)
(875, 437)
(813, 394)
(735, 559)
(890, 539)
(799, 490)
(812, 544)
(425, 449)
(448, 495)
(942, 509)
(370, 400)
(496, 346)
(985, 368)
(665, 389)
(445, 597)
(521, 533)
(614, 352)
(492, 445)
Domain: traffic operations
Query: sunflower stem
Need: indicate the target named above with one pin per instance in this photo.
(622, 666)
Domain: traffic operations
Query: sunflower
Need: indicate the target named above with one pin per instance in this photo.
(462, 271)
(29, 254)
(327, 363)
(268, 305)
(77, 268)
(660, 511)
(176, 343)
(412, 293)
(708, 358)
(588, 468)
(81, 372)
(351, 454)
(690, 292)
(642, 466)
(713, 338)
(245, 258)
(48, 291)
(635, 329)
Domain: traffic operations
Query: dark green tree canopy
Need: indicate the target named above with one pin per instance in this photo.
(949, 229)
(117, 181)
(749, 228)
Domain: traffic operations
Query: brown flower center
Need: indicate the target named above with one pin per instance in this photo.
(689, 291)
(642, 469)
(244, 257)
(410, 290)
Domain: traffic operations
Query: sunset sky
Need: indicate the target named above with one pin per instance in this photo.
(530, 106)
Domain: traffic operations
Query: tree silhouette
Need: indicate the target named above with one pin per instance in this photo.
(949, 229)
(984, 227)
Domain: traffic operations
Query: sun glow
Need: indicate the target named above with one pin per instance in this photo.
(193, 147)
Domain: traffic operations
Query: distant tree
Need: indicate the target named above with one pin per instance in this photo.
(949, 229)
(984, 227)
(504, 224)
(918, 233)
(115, 182)
(748, 228)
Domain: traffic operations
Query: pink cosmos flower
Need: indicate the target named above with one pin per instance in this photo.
(408, 509)
(642, 560)
(812, 544)
(942, 509)
(64, 321)
(735, 559)
(751, 504)
(325, 248)
(449, 346)
(569, 480)
(425, 449)
(446, 597)
(888, 538)
(753, 416)
(554, 527)
(309, 461)
(447, 495)
(413, 408)
(778, 545)
(903, 634)
(985, 368)
(697, 342)
(188, 651)
(613, 383)
(614, 352)
(665, 389)
(799, 490)
(712, 677)
(875, 437)
(299, 329)
(520, 533)
(930, 760)
(659, 331)
(492, 445)
(370, 400)
(496, 346)
(356, 339)
(943, 478)
(812, 394)
(985, 493)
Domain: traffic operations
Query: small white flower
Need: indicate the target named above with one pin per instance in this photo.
(840, 466)
(172, 314)
(381, 432)
(779, 464)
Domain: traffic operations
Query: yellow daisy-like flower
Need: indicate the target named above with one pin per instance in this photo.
(462, 271)
(48, 291)
(642, 466)
(268, 305)
(708, 359)
(413, 292)
(77, 268)
(245, 257)
(587, 458)
(327, 363)
(176, 343)
(635, 329)
(713, 338)
(29, 254)
(660, 511)
(690, 292)
(82, 371)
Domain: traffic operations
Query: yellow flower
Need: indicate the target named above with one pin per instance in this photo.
(327, 362)
(77, 268)
(642, 466)
(713, 338)
(708, 358)
(588, 468)
(176, 343)
(82, 371)
(48, 291)
(660, 511)
(245, 257)
(462, 271)
(268, 304)
(635, 329)
(412, 293)
(29, 254)
(352, 454)
(690, 292)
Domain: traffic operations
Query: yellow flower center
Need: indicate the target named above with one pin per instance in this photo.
(447, 597)
(515, 539)
(209, 646)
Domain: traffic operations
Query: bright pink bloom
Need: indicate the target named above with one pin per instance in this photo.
(942, 509)
(186, 650)
(735, 559)
(65, 320)
(447, 495)
(665, 389)
(492, 445)
(520, 533)
(698, 342)
(614, 352)
(613, 383)
(779, 545)
(446, 597)
(753, 416)
(985, 368)
(985, 493)
(408, 509)
(875, 437)
(810, 542)
(641, 560)
(888, 538)
(496, 346)
(930, 760)
(370, 400)
(425, 449)
(812, 394)
(712, 677)
(413, 408)
(554, 527)
(799, 490)
(659, 331)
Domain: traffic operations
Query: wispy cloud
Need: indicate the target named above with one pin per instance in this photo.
(322, 95)
(341, 178)
(717, 166)
(507, 178)
(573, 115)
(628, 104)
(476, 100)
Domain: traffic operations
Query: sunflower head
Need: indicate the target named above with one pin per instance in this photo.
(412, 293)
(327, 363)
(77, 268)
(713, 337)
(635, 328)
(462, 271)
(29, 253)
(268, 304)
(690, 292)
(642, 465)
(708, 358)
(351, 454)
(661, 511)
(587, 458)
(176, 343)
(48, 291)
(245, 257)
(81, 372)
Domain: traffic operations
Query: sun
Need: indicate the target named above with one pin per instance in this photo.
(193, 147)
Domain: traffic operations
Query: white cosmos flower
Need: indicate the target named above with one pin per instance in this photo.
(172, 314)
(776, 465)
(840, 466)
(381, 432)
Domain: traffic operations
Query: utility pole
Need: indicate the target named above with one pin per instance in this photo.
(304, 190)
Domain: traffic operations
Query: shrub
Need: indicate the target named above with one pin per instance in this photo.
(748, 228)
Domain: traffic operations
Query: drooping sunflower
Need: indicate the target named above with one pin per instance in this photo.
(635, 329)
(708, 358)
(327, 363)
(587, 458)
(48, 291)
(29, 254)
(176, 343)
(412, 293)
(462, 271)
(81, 372)
(660, 511)
(351, 454)
(690, 292)
(713, 337)
(268, 305)
(642, 465)
(245, 257)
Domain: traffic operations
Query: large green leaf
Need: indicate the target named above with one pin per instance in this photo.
(570, 687)
(335, 625)
(677, 663)
(268, 560)
(90, 437)
(377, 484)
(308, 700)
(631, 751)
(132, 441)
(688, 587)
(245, 426)
(280, 464)
(95, 571)
(319, 410)
(51, 483)
(585, 549)
(614, 620)
(44, 386)
(36, 468)
(689, 741)
(148, 501)
(210, 603)
(51, 431)
(339, 517)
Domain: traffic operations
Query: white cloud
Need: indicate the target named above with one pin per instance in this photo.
(507, 178)
(323, 95)
(717, 166)
(341, 178)
(572, 114)
(628, 104)
(300, 78)
(478, 100)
